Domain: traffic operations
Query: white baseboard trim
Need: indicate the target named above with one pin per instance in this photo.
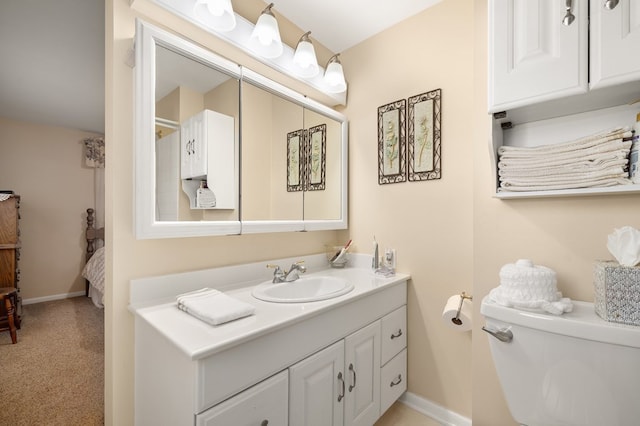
(53, 297)
(433, 410)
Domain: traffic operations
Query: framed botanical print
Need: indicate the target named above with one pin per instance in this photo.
(424, 148)
(316, 158)
(391, 143)
(295, 161)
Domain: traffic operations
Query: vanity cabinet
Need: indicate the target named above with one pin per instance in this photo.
(534, 57)
(263, 404)
(289, 364)
(207, 152)
(339, 385)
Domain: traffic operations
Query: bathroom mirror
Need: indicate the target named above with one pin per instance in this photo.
(177, 80)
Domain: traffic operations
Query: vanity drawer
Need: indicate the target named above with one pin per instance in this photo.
(393, 380)
(263, 404)
(394, 333)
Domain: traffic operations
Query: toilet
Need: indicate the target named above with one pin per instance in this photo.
(570, 369)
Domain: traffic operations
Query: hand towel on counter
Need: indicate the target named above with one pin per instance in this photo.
(213, 307)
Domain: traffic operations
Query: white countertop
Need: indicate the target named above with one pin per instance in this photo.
(153, 301)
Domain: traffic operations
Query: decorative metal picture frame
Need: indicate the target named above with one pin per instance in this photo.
(316, 158)
(295, 160)
(424, 150)
(392, 142)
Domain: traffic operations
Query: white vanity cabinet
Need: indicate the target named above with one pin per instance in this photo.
(207, 152)
(339, 385)
(534, 57)
(317, 363)
(261, 405)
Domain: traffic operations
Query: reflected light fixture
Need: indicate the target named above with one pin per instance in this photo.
(265, 38)
(334, 76)
(305, 63)
(217, 14)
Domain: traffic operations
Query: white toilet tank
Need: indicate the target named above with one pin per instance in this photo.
(572, 369)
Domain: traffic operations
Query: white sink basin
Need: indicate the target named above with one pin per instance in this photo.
(305, 289)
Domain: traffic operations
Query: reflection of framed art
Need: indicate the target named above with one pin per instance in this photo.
(391, 142)
(295, 160)
(316, 157)
(424, 151)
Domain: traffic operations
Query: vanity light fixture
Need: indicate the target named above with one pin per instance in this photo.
(305, 63)
(334, 76)
(217, 14)
(265, 38)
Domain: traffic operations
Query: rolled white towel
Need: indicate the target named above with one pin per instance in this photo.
(213, 307)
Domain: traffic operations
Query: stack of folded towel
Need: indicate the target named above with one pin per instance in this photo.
(594, 161)
(212, 306)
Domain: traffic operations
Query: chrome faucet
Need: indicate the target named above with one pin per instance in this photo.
(280, 276)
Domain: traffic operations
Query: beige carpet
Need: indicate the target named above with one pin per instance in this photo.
(54, 375)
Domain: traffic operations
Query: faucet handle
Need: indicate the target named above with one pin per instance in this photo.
(278, 273)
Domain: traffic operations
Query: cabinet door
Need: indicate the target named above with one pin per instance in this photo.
(615, 43)
(200, 145)
(186, 143)
(317, 388)
(261, 405)
(533, 57)
(362, 368)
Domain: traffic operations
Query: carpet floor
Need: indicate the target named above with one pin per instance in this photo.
(54, 375)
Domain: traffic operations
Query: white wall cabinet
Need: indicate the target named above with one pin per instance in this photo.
(552, 83)
(533, 57)
(207, 152)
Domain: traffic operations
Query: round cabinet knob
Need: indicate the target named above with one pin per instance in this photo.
(264, 423)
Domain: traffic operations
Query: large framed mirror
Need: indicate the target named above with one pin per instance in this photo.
(250, 126)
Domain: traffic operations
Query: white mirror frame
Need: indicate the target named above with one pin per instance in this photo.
(146, 225)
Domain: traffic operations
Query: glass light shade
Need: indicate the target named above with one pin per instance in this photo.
(334, 76)
(265, 38)
(305, 63)
(217, 14)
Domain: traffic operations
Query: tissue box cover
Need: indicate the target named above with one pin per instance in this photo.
(617, 292)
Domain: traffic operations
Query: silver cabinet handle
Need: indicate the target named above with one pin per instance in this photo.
(342, 380)
(396, 335)
(396, 381)
(610, 4)
(504, 335)
(353, 371)
(568, 17)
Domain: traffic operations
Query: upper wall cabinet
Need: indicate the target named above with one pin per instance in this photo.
(561, 71)
(533, 57)
(540, 50)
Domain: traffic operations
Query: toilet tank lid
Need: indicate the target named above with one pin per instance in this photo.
(582, 323)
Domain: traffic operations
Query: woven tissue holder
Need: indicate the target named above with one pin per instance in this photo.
(617, 292)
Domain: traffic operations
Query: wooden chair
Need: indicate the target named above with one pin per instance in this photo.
(7, 297)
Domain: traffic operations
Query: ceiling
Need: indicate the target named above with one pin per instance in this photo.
(53, 51)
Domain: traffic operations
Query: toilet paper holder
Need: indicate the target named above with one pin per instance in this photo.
(456, 320)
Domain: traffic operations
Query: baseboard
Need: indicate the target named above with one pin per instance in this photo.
(53, 297)
(436, 412)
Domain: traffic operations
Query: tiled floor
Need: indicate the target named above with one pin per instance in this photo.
(401, 415)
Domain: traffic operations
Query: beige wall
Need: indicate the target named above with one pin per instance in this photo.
(428, 223)
(45, 166)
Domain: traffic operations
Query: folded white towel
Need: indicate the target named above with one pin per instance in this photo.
(564, 147)
(564, 170)
(213, 307)
(597, 183)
